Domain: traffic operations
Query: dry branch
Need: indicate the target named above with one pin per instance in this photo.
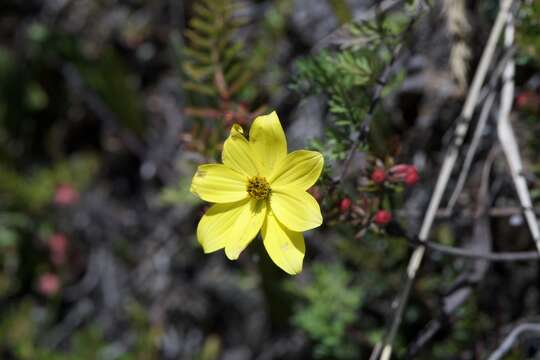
(446, 169)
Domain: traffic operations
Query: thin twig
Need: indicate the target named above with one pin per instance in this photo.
(482, 212)
(496, 74)
(509, 341)
(381, 7)
(462, 287)
(364, 128)
(380, 84)
(482, 121)
(76, 316)
(446, 169)
(504, 211)
(508, 138)
(486, 97)
(466, 253)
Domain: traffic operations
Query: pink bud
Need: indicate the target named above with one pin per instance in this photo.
(65, 195)
(412, 177)
(378, 176)
(404, 172)
(345, 205)
(48, 284)
(382, 217)
(399, 169)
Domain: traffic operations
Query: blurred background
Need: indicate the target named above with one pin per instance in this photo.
(108, 106)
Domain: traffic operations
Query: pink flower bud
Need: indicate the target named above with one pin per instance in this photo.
(399, 170)
(65, 195)
(48, 284)
(382, 217)
(405, 173)
(378, 176)
(345, 205)
(412, 177)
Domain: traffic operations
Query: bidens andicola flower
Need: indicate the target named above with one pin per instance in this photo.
(259, 187)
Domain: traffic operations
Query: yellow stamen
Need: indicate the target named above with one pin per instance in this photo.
(258, 188)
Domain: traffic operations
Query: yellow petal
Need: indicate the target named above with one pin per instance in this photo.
(296, 209)
(285, 247)
(219, 184)
(300, 169)
(216, 227)
(246, 228)
(238, 153)
(267, 138)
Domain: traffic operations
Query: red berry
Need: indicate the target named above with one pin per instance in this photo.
(345, 205)
(412, 177)
(382, 217)
(378, 176)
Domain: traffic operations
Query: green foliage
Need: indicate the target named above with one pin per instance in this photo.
(35, 190)
(331, 308)
(263, 58)
(348, 77)
(105, 74)
(229, 69)
(214, 59)
(385, 30)
(344, 79)
(341, 10)
(179, 194)
(528, 32)
(108, 76)
(469, 326)
(210, 349)
(12, 225)
(21, 327)
(54, 76)
(217, 64)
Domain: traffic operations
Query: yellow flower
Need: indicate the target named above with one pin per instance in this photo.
(259, 187)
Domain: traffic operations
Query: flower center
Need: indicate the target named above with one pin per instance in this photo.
(258, 188)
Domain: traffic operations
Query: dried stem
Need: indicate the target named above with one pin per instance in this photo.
(482, 121)
(511, 339)
(508, 138)
(446, 170)
(467, 254)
